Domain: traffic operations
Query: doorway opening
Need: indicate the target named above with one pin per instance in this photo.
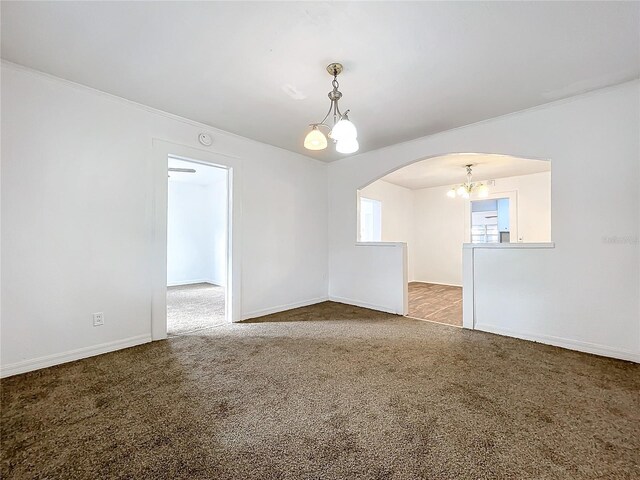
(490, 220)
(415, 205)
(197, 245)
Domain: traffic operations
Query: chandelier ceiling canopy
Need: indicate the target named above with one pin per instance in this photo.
(343, 132)
(469, 187)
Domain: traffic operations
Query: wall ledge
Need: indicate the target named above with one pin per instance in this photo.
(473, 246)
(381, 244)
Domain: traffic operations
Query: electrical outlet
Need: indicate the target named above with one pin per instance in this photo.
(98, 319)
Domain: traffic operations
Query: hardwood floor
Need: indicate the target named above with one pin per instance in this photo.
(437, 303)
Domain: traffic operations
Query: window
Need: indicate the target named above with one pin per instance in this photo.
(370, 220)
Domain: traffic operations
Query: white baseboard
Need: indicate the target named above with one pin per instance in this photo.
(70, 356)
(569, 344)
(282, 308)
(436, 283)
(358, 303)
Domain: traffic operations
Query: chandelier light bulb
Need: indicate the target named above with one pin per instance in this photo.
(461, 190)
(315, 140)
(451, 193)
(465, 194)
(344, 130)
(347, 146)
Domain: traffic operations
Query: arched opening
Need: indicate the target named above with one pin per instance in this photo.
(440, 204)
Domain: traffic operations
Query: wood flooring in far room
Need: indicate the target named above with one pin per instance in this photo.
(436, 303)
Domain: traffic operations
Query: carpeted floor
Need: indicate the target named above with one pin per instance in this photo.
(327, 392)
(436, 303)
(194, 307)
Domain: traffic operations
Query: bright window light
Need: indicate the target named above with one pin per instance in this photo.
(370, 220)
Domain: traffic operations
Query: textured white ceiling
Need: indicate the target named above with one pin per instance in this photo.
(258, 69)
(450, 170)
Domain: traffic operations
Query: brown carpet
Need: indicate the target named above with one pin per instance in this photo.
(194, 307)
(348, 393)
(436, 303)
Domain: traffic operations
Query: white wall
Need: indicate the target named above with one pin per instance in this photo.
(219, 234)
(397, 214)
(188, 234)
(78, 219)
(439, 234)
(585, 292)
(77, 199)
(197, 231)
(534, 205)
(434, 226)
(441, 224)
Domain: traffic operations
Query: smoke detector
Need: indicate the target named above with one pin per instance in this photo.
(205, 139)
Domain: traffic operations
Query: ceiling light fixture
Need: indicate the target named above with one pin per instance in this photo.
(467, 188)
(343, 132)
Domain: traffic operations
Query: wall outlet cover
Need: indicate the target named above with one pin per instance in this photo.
(98, 319)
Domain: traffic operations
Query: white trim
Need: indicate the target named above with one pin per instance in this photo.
(436, 283)
(70, 356)
(512, 195)
(542, 106)
(509, 245)
(283, 308)
(162, 150)
(586, 347)
(142, 106)
(468, 289)
(380, 244)
(358, 303)
(405, 280)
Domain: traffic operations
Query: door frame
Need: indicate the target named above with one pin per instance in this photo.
(512, 195)
(162, 150)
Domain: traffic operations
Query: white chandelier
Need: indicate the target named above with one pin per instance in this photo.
(465, 189)
(343, 132)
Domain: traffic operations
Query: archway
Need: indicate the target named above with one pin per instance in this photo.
(505, 200)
